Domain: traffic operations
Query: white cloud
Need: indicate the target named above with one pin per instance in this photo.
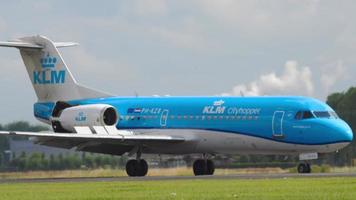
(295, 80)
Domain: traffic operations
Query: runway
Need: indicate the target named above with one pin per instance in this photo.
(163, 178)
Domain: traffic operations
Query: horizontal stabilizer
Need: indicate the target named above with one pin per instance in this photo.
(49, 74)
(65, 44)
(20, 45)
(26, 45)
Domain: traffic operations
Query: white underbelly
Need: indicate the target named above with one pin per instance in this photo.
(215, 142)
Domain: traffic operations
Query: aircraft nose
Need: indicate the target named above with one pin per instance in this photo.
(345, 132)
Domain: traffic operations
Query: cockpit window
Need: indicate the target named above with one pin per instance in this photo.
(322, 114)
(307, 115)
(303, 115)
(299, 115)
(318, 114)
(334, 114)
(325, 114)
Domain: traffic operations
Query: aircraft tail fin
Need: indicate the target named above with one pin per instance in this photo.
(50, 76)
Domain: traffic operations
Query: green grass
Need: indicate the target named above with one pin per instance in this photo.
(291, 188)
(178, 171)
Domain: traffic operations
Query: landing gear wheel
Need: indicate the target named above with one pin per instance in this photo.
(131, 169)
(203, 167)
(308, 168)
(210, 167)
(304, 168)
(136, 167)
(143, 168)
(198, 167)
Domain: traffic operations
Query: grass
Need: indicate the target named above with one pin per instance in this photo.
(179, 171)
(290, 188)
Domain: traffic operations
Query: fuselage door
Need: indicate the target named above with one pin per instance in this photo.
(277, 124)
(164, 117)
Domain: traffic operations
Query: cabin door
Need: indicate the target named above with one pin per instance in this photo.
(164, 117)
(277, 124)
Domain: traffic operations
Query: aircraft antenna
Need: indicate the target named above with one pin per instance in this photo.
(242, 93)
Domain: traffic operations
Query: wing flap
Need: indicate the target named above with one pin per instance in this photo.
(116, 143)
(97, 137)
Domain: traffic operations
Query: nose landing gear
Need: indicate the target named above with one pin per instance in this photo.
(304, 168)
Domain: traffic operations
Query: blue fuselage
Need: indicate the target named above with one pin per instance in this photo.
(293, 120)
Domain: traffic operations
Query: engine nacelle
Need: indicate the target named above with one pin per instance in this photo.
(85, 115)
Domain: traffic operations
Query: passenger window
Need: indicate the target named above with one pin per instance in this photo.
(299, 115)
(307, 115)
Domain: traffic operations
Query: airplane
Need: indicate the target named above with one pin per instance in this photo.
(93, 121)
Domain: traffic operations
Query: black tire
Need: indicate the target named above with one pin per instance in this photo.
(142, 167)
(198, 167)
(304, 168)
(131, 167)
(308, 168)
(136, 168)
(210, 167)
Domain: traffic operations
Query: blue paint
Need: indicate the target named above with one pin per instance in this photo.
(48, 61)
(81, 117)
(48, 74)
(252, 116)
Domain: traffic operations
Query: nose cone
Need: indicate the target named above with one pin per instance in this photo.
(344, 131)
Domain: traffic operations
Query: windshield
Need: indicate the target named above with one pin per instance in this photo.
(325, 114)
(322, 114)
(304, 115)
(334, 114)
(315, 114)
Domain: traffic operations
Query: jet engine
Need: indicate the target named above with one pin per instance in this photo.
(84, 115)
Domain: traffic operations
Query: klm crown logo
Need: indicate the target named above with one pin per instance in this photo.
(48, 61)
(81, 117)
(48, 74)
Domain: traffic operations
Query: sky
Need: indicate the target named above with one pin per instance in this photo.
(185, 47)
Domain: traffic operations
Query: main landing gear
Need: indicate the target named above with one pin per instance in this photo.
(304, 168)
(203, 167)
(137, 167)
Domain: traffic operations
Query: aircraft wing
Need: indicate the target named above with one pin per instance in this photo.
(117, 144)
